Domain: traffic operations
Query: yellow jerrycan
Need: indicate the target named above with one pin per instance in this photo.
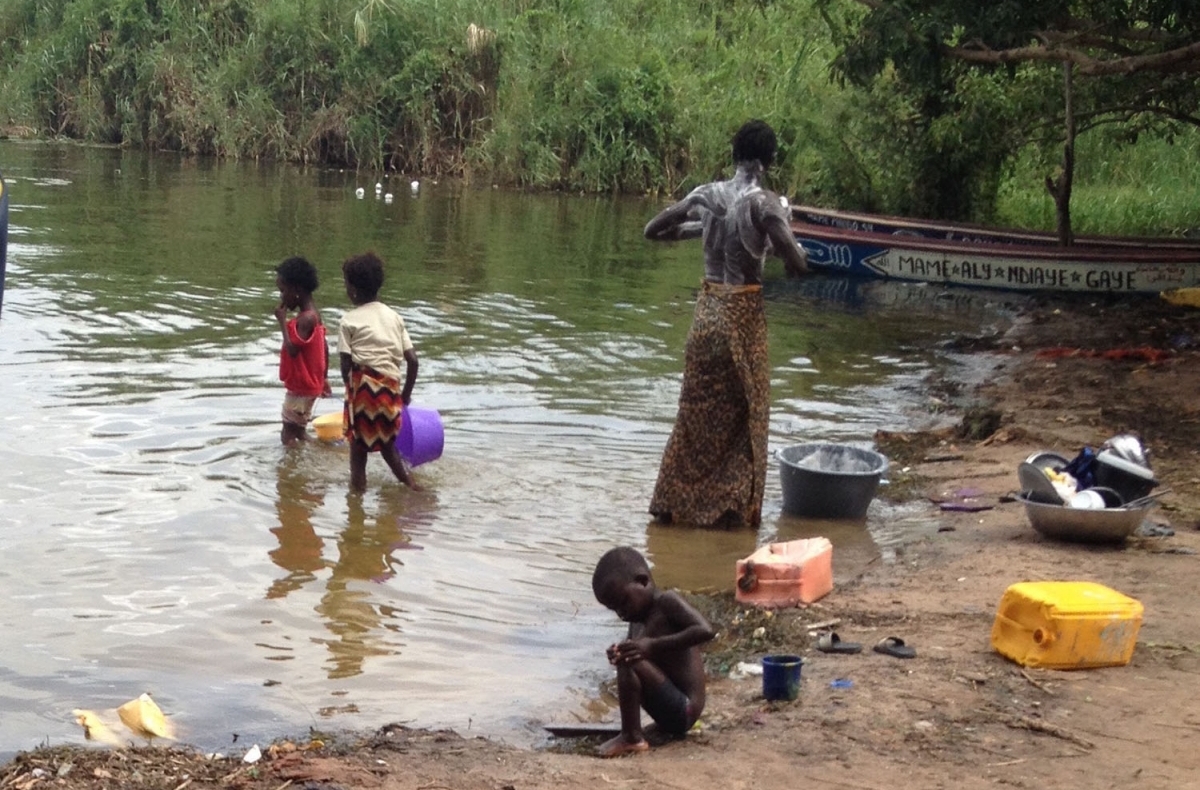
(1066, 625)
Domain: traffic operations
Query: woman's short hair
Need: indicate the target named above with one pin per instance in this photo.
(755, 140)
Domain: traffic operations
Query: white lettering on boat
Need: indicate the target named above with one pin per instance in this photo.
(1010, 271)
(1158, 275)
(1024, 275)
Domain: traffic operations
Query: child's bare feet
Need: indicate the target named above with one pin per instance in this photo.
(621, 745)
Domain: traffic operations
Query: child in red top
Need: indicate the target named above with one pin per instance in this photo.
(304, 357)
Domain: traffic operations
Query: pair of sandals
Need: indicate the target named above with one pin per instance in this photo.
(894, 646)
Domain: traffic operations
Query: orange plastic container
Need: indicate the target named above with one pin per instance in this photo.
(1066, 625)
(786, 574)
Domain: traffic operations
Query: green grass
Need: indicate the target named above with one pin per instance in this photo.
(1150, 188)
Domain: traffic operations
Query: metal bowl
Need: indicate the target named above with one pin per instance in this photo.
(1036, 486)
(1110, 525)
(1045, 459)
(1128, 446)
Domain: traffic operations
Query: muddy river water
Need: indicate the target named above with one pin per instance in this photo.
(154, 536)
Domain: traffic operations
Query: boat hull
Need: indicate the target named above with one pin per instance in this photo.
(1013, 265)
(981, 234)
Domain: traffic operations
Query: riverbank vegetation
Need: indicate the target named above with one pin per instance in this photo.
(631, 97)
(988, 81)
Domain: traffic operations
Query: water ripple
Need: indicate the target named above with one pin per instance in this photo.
(151, 517)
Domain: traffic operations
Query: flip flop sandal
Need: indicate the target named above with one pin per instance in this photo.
(894, 646)
(832, 643)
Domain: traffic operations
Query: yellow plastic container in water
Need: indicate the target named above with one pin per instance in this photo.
(329, 427)
(1066, 625)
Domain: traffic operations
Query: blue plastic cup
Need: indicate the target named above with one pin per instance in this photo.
(781, 677)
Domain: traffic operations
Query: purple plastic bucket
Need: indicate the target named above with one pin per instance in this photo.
(421, 437)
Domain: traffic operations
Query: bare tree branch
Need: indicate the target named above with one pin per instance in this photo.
(1065, 45)
(1093, 30)
(1178, 60)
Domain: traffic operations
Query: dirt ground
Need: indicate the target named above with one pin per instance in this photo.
(1072, 373)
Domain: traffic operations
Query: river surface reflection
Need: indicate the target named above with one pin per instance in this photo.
(157, 538)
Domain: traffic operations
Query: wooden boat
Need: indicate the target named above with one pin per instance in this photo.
(963, 231)
(868, 245)
(3, 236)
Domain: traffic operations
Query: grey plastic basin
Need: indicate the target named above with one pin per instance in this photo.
(824, 480)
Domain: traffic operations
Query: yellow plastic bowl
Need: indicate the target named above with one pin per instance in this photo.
(329, 427)
(1183, 297)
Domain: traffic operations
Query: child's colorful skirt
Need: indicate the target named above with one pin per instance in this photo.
(373, 408)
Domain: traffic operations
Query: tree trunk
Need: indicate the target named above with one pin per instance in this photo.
(1060, 189)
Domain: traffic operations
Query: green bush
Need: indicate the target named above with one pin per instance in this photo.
(633, 96)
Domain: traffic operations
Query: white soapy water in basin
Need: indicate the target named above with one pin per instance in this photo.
(837, 459)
